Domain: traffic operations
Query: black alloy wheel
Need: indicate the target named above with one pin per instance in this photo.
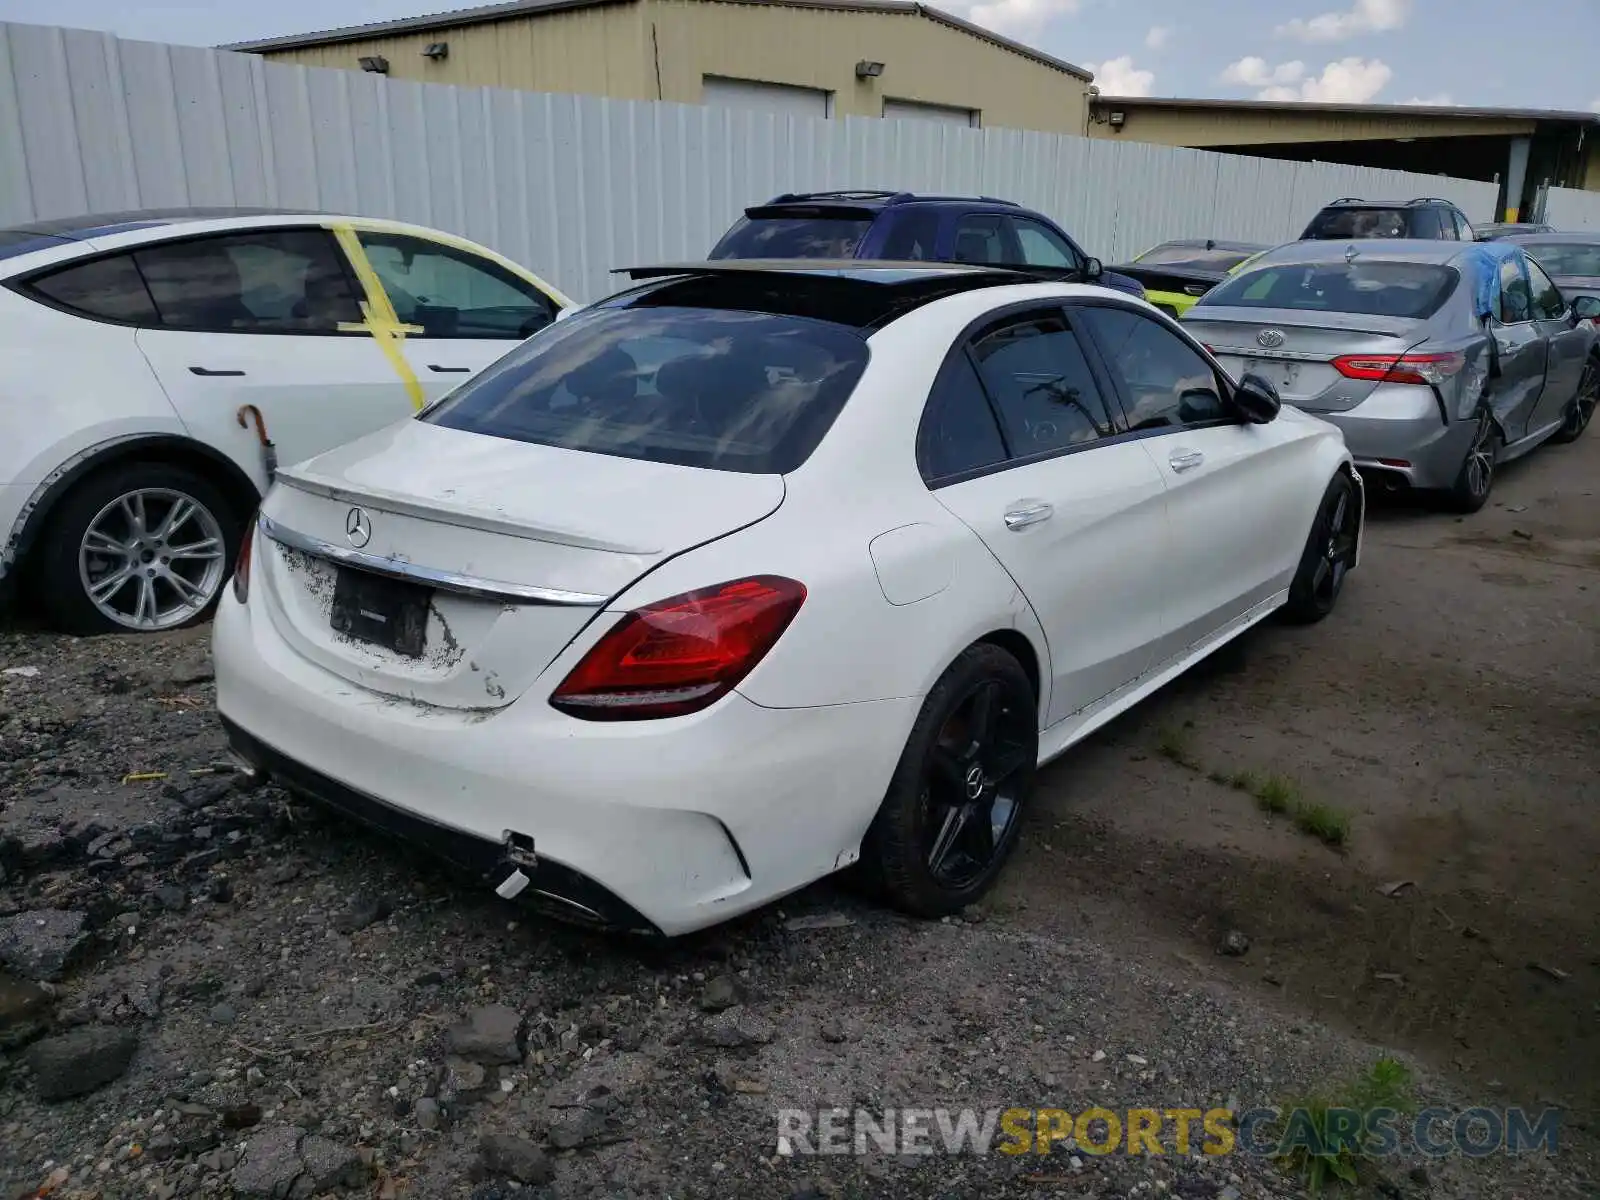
(953, 811)
(1329, 554)
(1581, 410)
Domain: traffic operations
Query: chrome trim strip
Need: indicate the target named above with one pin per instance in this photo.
(1285, 355)
(445, 581)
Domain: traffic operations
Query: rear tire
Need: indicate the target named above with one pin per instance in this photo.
(136, 548)
(1581, 410)
(953, 811)
(1475, 480)
(1328, 555)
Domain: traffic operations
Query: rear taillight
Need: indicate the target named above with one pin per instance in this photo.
(682, 654)
(1401, 368)
(241, 571)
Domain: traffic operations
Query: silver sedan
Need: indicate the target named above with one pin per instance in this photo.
(1439, 360)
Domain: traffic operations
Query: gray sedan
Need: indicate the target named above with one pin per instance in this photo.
(1572, 260)
(1439, 360)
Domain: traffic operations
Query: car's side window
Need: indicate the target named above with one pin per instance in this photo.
(452, 293)
(1548, 303)
(1425, 224)
(1463, 227)
(913, 236)
(110, 289)
(980, 239)
(958, 431)
(1041, 384)
(1041, 246)
(272, 281)
(1515, 304)
(1169, 384)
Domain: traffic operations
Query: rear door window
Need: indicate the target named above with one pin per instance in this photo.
(1042, 385)
(1390, 289)
(272, 281)
(724, 390)
(793, 237)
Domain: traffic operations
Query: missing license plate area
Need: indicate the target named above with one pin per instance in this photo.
(383, 612)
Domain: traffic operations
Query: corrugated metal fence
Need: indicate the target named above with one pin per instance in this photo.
(1568, 208)
(575, 185)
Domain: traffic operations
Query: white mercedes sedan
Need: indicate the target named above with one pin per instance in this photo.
(757, 571)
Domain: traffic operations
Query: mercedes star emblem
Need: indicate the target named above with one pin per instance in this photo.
(358, 527)
(1270, 339)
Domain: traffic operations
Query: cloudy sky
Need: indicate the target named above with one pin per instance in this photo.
(1479, 52)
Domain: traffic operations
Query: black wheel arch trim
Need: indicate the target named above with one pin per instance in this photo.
(48, 495)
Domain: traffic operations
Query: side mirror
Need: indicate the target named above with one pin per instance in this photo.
(1200, 404)
(1093, 268)
(1586, 308)
(1257, 400)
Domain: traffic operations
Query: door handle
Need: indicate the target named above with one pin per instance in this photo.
(209, 371)
(1026, 515)
(1185, 460)
(448, 370)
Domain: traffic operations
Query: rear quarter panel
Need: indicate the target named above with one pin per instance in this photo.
(66, 385)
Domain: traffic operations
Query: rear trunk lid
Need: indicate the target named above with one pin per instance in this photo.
(1295, 349)
(448, 567)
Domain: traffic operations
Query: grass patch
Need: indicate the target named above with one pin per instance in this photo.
(1276, 794)
(1329, 825)
(1319, 1138)
(1245, 781)
(1173, 744)
(1218, 777)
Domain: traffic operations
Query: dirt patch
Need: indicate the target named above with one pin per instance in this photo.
(1449, 709)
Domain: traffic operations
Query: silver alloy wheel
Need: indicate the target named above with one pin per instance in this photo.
(152, 559)
(1480, 459)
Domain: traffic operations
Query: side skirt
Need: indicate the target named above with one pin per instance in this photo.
(1065, 733)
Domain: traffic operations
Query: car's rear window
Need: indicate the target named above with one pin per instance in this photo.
(793, 237)
(1387, 289)
(725, 390)
(1568, 258)
(1193, 258)
(1361, 223)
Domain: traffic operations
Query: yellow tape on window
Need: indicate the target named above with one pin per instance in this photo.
(382, 322)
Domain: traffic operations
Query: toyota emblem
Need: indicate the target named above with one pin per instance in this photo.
(1270, 339)
(358, 528)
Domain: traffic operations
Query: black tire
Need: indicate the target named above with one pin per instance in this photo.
(930, 784)
(57, 583)
(1475, 480)
(1328, 555)
(1581, 410)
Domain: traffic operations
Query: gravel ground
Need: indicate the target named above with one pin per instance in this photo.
(214, 989)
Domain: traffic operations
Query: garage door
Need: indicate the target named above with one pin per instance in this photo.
(780, 98)
(912, 110)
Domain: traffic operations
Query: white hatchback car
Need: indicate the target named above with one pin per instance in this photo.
(154, 365)
(757, 569)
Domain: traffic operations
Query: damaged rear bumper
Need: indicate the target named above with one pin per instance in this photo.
(511, 867)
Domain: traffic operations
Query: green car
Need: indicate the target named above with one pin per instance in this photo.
(1176, 274)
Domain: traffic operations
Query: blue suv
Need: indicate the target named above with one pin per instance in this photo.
(905, 227)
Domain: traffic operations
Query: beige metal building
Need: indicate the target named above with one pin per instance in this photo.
(1522, 149)
(818, 58)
